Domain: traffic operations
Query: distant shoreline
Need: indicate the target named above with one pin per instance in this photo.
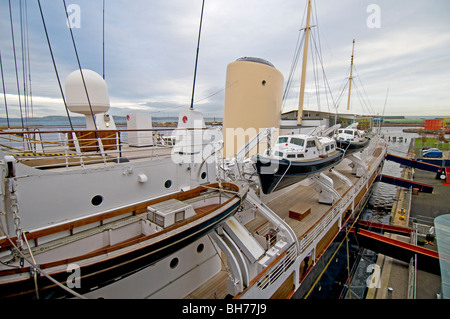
(154, 124)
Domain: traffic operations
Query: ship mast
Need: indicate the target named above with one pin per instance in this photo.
(305, 58)
(351, 77)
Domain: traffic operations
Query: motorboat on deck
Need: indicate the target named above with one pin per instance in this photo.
(351, 139)
(295, 157)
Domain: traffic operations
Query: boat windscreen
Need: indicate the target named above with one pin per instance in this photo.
(282, 139)
(297, 141)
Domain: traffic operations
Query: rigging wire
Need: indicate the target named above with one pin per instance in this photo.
(317, 60)
(24, 58)
(364, 90)
(196, 55)
(15, 64)
(30, 95)
(38, 269)
(103, 43)
(79, 64)
(4, 91)
(54, 64)
(196, 101)
(295, 58)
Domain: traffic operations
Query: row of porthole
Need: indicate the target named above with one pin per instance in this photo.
(97, 200)
(175, 261)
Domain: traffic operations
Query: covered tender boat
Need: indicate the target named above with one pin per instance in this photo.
(351, 139)
(293, 158)
(105, 251)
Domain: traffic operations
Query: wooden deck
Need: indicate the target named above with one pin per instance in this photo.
(280, 204)
(308, 196)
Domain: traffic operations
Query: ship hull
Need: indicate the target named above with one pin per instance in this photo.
(352, 147)
(276, 174)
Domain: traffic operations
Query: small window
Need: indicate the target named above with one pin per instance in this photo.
(327, 148)
(280, 154)
(168, 183)
(203, 176)
(300, 155)
(291, 156)
(97, 200)
(174, 263)
(159, 220)
(179, 216)
(282, 140)
(297, 141)
(200, 248)
(332, 146)
(311, 144)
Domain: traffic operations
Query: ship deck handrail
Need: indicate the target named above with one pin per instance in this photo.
(53, 147)
(315, 230)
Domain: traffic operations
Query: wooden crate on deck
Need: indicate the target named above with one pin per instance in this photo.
(299, 211)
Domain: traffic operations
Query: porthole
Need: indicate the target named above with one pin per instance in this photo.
(263, 82)
(203, 176)
(97, 200)
(174, 263)
(200, 248)
(168, 183)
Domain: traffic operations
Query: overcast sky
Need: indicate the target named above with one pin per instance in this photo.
(402, 47)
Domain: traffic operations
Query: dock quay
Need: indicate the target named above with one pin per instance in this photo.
(399, 279)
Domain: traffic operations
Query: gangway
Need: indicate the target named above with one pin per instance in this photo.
(427, 259)
(413, 163)
(424, 188)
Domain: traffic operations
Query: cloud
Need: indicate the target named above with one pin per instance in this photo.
(150, 51)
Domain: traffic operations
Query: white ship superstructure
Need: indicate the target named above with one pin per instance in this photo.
(174, 213)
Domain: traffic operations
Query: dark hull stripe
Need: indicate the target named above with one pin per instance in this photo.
(352, 147)
(276, 174)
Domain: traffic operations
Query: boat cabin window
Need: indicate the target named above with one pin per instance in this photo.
(159, 220)
(341, 131)
(332, 146)
(169, 212)
(311, 143)
(327, 148)
(350, 132)
(280, 154)
(291, 156)
(179, 216)
(297, 141)
(282, 139)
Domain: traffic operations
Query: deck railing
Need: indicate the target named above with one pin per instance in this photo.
(46, 148)
(331, 216)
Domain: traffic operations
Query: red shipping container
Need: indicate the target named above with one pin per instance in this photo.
(433, 125)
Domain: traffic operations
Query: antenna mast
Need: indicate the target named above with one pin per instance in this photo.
(305, 58)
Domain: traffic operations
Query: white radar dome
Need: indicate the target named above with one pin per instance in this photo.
(97, 90)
